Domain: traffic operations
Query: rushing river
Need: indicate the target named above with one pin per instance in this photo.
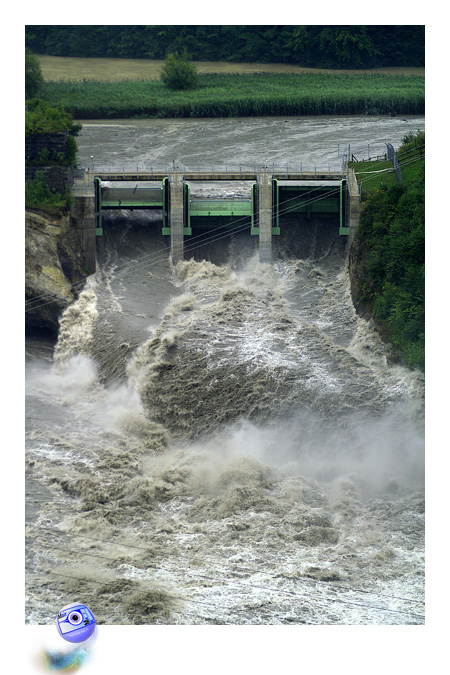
(224, 442)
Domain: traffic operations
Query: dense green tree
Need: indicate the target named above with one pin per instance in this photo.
(348, 46)
(33, 75)
(179, 72)
(42, 118)
(399, 45)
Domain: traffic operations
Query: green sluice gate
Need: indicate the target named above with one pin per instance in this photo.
(211, 213)
(310, 198)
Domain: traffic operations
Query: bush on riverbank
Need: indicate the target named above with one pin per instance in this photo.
(231, 95)
(43, 117)
(179, 72)
(389, 253)
(40, 195)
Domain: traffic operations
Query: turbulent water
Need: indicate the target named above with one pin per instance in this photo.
(223, 442)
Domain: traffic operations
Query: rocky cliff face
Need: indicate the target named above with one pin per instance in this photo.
(357, 267)
(53, 268)
(359, 278)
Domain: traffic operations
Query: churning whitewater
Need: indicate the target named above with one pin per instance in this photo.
(223, 442)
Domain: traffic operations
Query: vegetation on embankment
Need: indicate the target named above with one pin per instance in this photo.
(375, 175)
(232, 95)
(387, 259)
(42, 118)
(50, 153)
(41, 196)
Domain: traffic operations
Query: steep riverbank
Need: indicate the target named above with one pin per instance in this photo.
(53, 268)
(387, 258)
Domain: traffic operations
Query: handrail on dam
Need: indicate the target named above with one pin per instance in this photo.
(213, 173)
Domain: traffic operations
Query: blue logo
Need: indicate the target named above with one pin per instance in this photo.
(75, 623)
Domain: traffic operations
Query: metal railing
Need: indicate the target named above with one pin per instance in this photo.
(233, 171)
(392, 157)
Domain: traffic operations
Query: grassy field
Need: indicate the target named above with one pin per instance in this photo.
(56, 68)
(375, 175)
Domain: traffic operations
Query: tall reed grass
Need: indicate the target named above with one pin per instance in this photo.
(233, 95)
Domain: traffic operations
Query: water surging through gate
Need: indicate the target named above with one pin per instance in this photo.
(234, 436)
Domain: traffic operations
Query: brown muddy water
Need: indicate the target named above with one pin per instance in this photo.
(224, 442)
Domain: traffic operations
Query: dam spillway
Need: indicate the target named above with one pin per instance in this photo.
(270, 193)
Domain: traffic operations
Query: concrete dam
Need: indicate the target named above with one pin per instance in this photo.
(271, 194)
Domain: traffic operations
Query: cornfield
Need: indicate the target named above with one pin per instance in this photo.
(234, 95)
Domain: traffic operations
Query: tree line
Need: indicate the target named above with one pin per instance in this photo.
(308, 46)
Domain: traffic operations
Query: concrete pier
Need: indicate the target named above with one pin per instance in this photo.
(265, 217)
(176, 217)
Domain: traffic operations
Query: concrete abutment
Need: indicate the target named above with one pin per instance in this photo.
(83, 213)
(354, 206)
